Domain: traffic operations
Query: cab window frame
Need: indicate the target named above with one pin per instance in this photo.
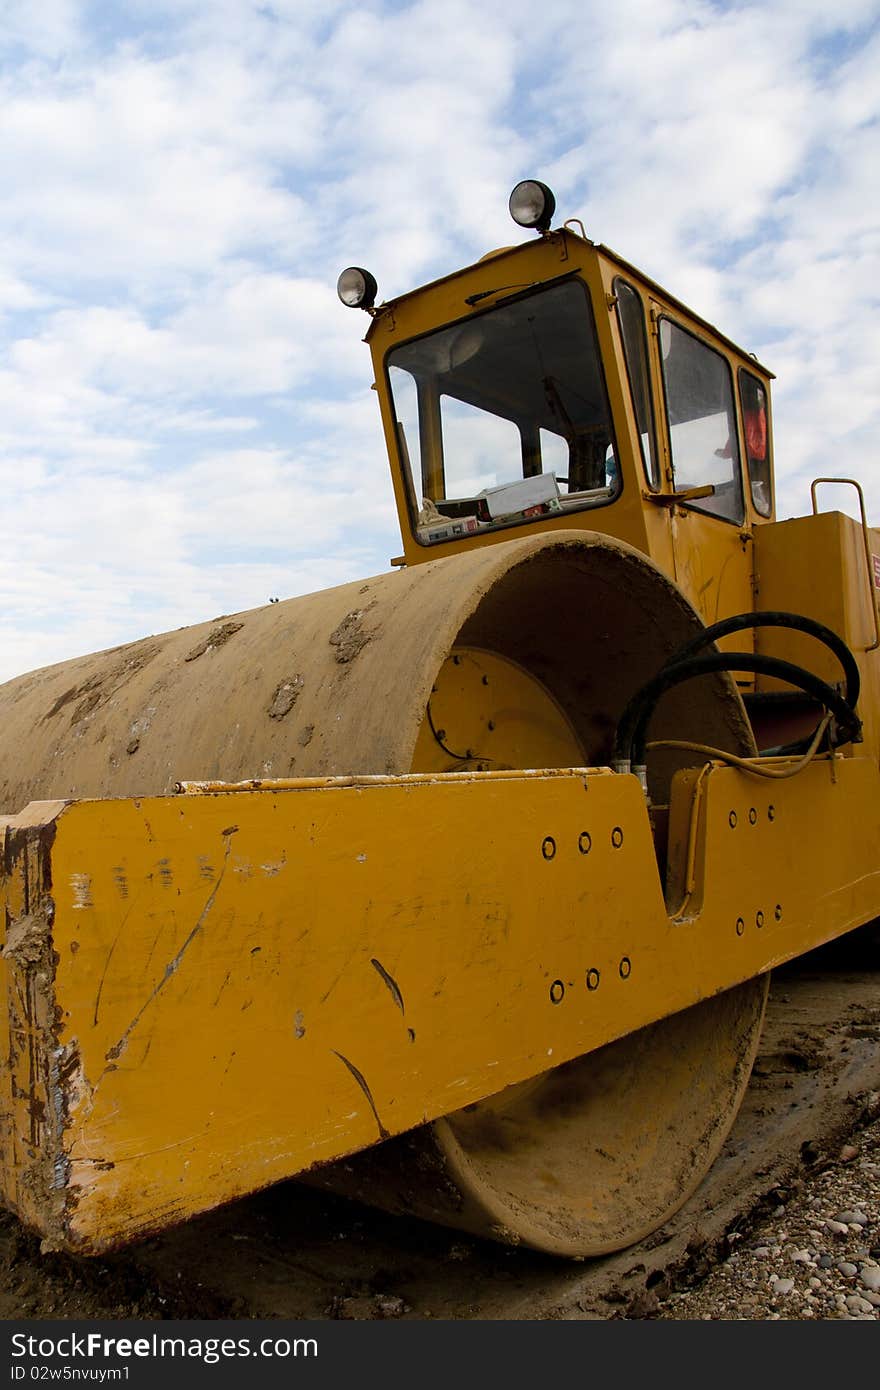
(652, 466)
(733, 425)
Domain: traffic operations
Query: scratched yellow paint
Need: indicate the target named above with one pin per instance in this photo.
(252, 982)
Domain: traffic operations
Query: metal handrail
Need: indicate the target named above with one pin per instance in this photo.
(869, 555)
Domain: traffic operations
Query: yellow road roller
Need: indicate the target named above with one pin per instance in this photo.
(456, 889)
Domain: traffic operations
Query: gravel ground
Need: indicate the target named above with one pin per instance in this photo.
(816, 1255)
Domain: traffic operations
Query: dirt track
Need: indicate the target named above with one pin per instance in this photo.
(294, 1253)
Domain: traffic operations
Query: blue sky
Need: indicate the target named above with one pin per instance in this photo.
(186, 425)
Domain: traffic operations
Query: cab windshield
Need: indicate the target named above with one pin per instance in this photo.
(505, 418)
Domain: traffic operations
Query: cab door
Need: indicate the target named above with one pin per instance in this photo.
(710, 532)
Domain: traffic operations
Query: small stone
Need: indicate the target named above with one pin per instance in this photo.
(761, 1252)
(837, 1228)
(389, 1306)
(844, 1266)
(826, 1261)
(802, 1257)
(848, 1153)
(783, 1286)
(870, 1277)
(852, 1218)
(856, 1304)
(815, 1283)
(872, 1298)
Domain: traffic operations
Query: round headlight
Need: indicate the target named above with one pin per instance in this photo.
(357, 288)
(532, 205)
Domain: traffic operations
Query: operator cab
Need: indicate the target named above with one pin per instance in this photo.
(552, 386)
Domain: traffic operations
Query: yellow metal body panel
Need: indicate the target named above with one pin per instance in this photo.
(211, 992)
(816, 565)
(713, 566)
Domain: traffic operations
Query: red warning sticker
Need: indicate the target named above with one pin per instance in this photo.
(876, 559)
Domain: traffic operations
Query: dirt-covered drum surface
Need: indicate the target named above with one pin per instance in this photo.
(338, 682)
(293, 1252)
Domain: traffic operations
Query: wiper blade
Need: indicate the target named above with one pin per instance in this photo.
(499, 289)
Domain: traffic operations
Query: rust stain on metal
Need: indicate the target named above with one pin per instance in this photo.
(362, 1082)
(299, 1029)
(285, 696)
(305, 737)
(389, 981)
(217, 637)
(43, 1074)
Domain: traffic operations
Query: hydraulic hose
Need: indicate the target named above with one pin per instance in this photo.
(631, 735)
(774, 618)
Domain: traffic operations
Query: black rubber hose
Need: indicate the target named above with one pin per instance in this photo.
(630, 740)
(772, 618)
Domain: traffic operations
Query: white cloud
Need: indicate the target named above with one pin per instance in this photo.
(185, 420)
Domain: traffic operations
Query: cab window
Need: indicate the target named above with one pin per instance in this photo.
(756, 432)
(504, 419)
(702, 422)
